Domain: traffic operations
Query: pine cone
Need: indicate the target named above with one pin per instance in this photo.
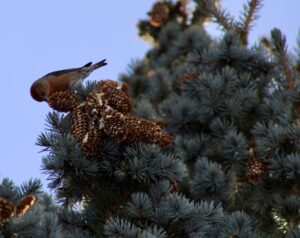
(133, 137)
(116, 98)
(182, 6)
(62, 101)
(80, 122)
(95, 103)
(174, 187)
(114, 124)
(7, 209)
(165, 140)
(255, 170)
(125, 88)
(159, 14)
(24, 204)
(185, 77)
(188, 76)
(104, 85)
(92, 142)
(141, 130)
(140, 126)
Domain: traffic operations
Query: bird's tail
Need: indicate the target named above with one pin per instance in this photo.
(88, 68)
(99, 64)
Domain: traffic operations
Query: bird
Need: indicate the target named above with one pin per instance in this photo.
(62, 80)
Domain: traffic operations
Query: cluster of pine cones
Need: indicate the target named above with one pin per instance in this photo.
(106, 111)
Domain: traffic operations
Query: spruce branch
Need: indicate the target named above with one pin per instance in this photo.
(249, 15)
(281, 48)
(222, 17)
(278, 46)
(56, 123)
(45, 140)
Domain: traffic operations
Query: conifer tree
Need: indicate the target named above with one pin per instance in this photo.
(199, 139)
(231, 108)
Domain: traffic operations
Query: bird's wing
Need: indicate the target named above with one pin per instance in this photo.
(60, 72)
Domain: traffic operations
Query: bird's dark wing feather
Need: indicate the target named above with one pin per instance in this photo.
(60, 72)
(87, 65)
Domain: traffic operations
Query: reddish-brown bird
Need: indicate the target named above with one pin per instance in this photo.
(61, 80)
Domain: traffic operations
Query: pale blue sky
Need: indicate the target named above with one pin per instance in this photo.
(42, 36)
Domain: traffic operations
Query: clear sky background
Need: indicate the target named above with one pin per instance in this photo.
(38, 37)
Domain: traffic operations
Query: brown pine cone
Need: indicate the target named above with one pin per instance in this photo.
(165, 140)
(174, 187)
(119, 101)
(116, 98)
(62, 101)
(24, 204)
(104, 85)
(92, 142)
(125, 88)
(142, 130)
(114, 124)
(159, 14)
(255, 170)
(79, 122)
(7, 209)
(95, 103)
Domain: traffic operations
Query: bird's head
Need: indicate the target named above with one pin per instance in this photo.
(39, 91)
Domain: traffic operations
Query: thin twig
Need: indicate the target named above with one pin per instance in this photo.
(222, 18)
(254, 5)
